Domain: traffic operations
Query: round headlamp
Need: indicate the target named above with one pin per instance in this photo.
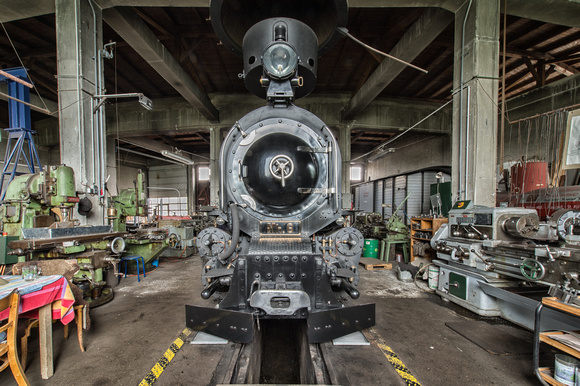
(280, 60)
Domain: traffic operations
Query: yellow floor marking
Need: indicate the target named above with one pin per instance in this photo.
(399, 366)
(167, 356)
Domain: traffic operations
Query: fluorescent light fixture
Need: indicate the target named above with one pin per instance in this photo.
(177, 157)
(145, 102)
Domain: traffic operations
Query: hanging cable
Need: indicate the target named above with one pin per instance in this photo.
(23, 66)
(345, 32)
(117, 153)
(382, 145)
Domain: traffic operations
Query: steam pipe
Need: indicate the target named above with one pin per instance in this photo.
(235, 234)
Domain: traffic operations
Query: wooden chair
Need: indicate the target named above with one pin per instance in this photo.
(80, 318)
(9, 350)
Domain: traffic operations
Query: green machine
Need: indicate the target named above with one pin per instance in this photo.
(129, 202)
(148, 242)
(388, 233)
(38, 200)
(36, 217)
(396, 233)
(35, 200)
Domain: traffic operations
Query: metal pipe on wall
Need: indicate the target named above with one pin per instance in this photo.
(467, 127)
(462, 191)
(94, 142)
(79, 91)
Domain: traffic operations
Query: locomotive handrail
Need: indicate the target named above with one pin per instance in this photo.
(336, 176)
(235, 233)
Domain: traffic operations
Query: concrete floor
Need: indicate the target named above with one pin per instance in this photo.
(130, 334)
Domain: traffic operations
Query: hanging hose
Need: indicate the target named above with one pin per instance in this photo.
(235, 234)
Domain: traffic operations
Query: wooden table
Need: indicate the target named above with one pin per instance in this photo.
(45, 299)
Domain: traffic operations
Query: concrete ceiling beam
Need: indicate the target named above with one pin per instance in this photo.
(136, 33)
(179, 118)
(417, 38)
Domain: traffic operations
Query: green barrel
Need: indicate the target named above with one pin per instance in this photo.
(371, 248)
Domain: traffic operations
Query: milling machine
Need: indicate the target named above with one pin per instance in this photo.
(37, 215)
(146, 240)
(39, 200)
(129, 202)
(502, 261)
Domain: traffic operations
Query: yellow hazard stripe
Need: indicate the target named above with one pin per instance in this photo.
(167, 356)
(399, 366)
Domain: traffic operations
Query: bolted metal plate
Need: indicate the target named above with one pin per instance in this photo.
(232, 325)
(328, 325)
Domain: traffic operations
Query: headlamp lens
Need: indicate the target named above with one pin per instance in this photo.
(280, 60)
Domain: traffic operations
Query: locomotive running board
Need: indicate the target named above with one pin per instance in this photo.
(231, 325)
(324, 326)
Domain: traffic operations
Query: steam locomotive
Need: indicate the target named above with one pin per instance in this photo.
(280, 248)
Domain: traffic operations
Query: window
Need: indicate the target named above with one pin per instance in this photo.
(356, 173)
(168, 206)
(203, 173)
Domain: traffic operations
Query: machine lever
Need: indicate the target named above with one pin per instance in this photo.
(350, 289)
(210, 289)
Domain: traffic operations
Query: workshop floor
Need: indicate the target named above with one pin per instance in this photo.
(131, 333)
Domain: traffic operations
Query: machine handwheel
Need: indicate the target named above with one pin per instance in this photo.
(173, 241)
(532, 269)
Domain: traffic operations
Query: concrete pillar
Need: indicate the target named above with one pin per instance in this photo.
(79, 37)
(344, 144)
(215, 144)
(475, 121)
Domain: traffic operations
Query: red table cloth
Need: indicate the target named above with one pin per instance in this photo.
(37, 293)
